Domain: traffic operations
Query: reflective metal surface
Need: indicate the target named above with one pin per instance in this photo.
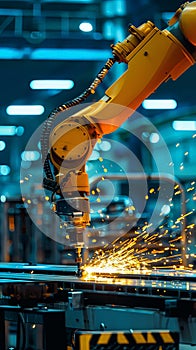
(178, 283)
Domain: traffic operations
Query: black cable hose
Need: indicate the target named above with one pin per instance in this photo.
(21, 325)
(47, 127)
(18, 335)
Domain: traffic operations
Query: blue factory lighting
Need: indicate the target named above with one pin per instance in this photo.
(4, 170)
(154, 137)
(165, 210)
(30, 155)
(159, 104)
(25, 110)
(8, 130)
(86, 27)
(184, 125)
(19, 130)
(52, 84)
(105, 146)
(3, 198)
(10, 53)
(70, 54)
(2, 145)
(56, 54)
(74, 1)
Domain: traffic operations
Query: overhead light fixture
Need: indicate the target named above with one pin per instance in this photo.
(105, 146)
(71, 1)
(165, 210)
(51, 84)
(70, 54)
(8, 130)
(11, 130)
(2, 145)
(56, 54)
(25, 110)
(4, 170)
(159, 104)
(30, 156)
(3, 198)
(154, 137)
(184, 125)
(86, 27)
(19, 130)
(10, 53)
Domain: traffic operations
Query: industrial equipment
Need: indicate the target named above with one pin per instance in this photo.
(152, 57)
(146, 309)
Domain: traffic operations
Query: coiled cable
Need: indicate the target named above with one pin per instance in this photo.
(47, 126)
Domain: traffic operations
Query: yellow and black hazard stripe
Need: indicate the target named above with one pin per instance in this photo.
(135, 340)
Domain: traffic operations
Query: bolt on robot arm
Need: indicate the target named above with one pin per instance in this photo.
(152, 57)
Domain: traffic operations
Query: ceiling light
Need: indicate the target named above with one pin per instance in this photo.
(11, 130)
(2, 145)
(4, 170)
(165, 210)
(19, 130)
(2, 198)
(52, 84)
(71, 1)
(184, 125)
(154, 137)
(70, 54)
(10, 53)
(105, 146)
(159, 104)
(25, 110)
(8, 130)
(86, 27)
(30, 155)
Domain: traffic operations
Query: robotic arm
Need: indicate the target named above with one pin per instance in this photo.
(152, 57)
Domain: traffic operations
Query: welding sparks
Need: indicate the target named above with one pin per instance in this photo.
(141, 252)
(183, 216)
(133, 255)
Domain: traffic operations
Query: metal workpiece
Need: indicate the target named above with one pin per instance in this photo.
(157, 300)
(166, 282)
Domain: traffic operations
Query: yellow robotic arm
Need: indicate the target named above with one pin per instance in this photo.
(152, 57)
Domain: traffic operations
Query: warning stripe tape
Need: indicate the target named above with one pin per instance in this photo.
(85, 340)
